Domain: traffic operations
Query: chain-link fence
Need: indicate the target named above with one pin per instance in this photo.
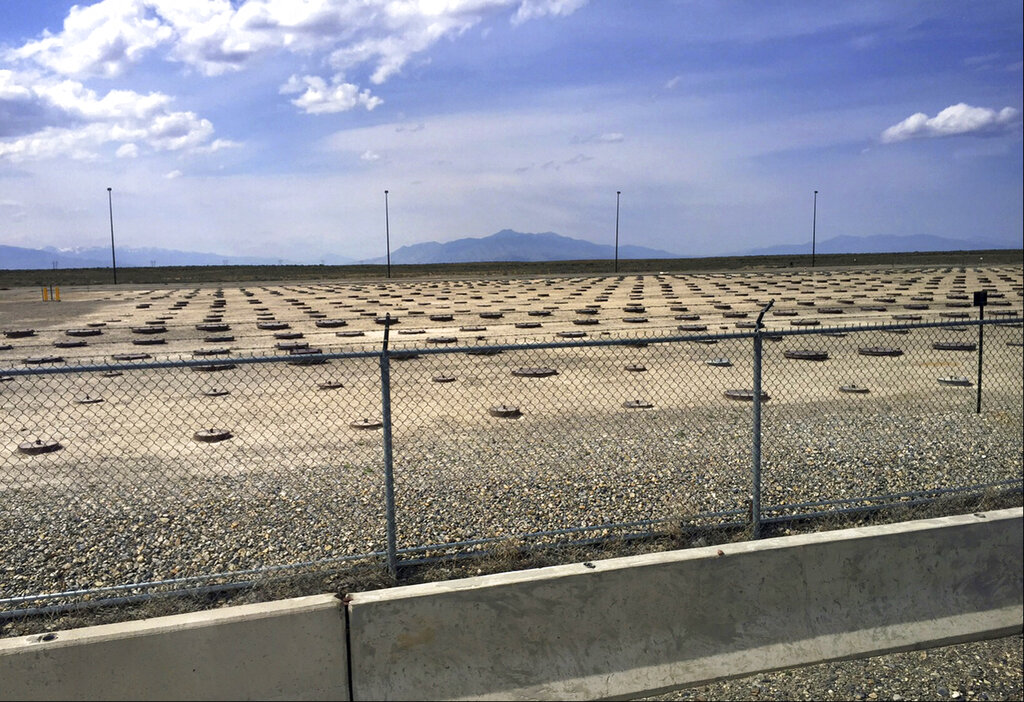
(126, 478)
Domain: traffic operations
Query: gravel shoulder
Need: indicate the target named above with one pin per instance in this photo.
(981, 670)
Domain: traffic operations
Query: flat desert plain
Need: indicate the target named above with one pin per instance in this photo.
(487, 442)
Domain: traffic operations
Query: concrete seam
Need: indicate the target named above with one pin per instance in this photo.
(346, 609)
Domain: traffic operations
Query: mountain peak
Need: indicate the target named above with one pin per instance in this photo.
(510, 245)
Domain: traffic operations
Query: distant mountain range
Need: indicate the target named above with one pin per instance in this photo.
(506, 245)
(874, 244)
(16, 257)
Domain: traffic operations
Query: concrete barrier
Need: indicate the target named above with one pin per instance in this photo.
(292, 649)
(616, 628)
(648, 624)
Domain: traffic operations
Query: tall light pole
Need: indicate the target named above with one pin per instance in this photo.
(113, 257)
(387, 231)
(617, 193)
(814, 227)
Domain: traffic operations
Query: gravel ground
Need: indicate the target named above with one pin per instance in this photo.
(983, 670)
(161, 517)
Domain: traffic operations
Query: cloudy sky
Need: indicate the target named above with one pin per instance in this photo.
(273, 127)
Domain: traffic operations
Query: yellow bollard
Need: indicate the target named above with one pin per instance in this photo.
(45, 295)
(56, 294)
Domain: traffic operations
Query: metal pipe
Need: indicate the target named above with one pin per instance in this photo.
(814, 227)
(389, 477)
(617, 193)
(755, 492)
(387, 231)
(113, 257)
(981, 348)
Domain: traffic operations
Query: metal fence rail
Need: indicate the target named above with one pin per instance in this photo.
(122, 479)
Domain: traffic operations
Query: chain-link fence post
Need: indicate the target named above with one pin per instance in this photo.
(389, 475)
(755, 492)
(981, 348)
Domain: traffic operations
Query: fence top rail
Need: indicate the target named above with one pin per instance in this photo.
(522, 346)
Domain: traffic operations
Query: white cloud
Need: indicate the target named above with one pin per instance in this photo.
(955, 120)
(532, 9)
(217, 36)
(172, 174)
(319, 98)
(79, 122)
(370, 156)
(97, 40)
(606, 138)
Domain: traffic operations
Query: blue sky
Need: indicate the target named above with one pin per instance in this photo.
(273, 127)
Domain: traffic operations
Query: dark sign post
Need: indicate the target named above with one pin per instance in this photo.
(980, 300)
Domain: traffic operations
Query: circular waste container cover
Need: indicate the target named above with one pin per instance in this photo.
(213, 367)
(366, 424)
(534, 372)
(806, 355)
(211, 436)
(330, 323)
(330, 385)
(38, 446)
(637, 404)
(724, 362)
(220, 351)
(88, 400)
(958, 381)
(88, 331)
(879, 351)
(953, 346)
(855, 389)
(505, 411)
(443, 378)
(39, 360)
(745, 395)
